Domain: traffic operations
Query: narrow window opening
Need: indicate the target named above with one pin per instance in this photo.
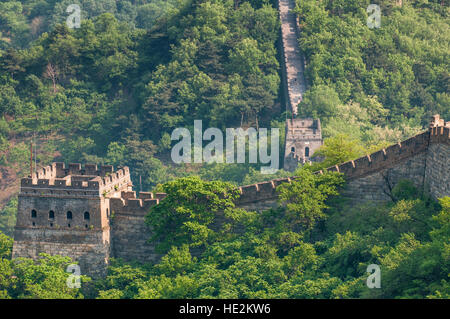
(87, 216)
(51, 214)
(69, 215)
(33, 214)
(307, 152)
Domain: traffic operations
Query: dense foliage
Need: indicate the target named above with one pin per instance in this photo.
(313, 246)
(403, 64)
(113, 90)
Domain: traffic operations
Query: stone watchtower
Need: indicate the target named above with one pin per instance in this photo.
(65, 211)
(303, 138)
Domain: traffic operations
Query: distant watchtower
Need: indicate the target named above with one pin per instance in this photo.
(66, 211)
(303, 138)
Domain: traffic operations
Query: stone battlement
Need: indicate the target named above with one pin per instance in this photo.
(363, 166)
(128, 204)
(59, 170)
(393, 154)
(440, 134)
(383, 158)
(437, 121)
(58, 179)
(354, 169)
(260, 191)
(59, 187)
(304, 128)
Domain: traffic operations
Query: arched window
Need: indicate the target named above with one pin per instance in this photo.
(33, 214)
(69, 215)
(51, 214)
(87, 216)
(306, 151)
(293, 149)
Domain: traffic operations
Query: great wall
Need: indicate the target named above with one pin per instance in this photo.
(91, 214)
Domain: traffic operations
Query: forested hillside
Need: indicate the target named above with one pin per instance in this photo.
(113, 90)
(375, 85)
(316, 247)
(24, 21)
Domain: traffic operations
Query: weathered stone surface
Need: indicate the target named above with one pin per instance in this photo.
(376, 186)
(65, 211)
(303, 138)
(130, 236)
(437, 170)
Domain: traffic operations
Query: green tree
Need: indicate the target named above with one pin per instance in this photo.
(186, 215)
(305, 197)
(336, 150)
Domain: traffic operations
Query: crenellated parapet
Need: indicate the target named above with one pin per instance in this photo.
(128, 204)
(393, 154)
(47, 172)
(436, 121)
(88, 169)
(438, 133)
(60, 186)
(59, 180)
(383, 158)
(260, 191)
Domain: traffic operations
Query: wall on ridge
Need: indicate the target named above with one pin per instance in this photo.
(422, 159)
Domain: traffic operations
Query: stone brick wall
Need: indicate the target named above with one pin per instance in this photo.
(86, 241)
(130, 233)
(376, 186)
(437, 177)
(62, 211)
(260, 205)
(89, 248)
(68, 212)
(303, 138)
(423, 159)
